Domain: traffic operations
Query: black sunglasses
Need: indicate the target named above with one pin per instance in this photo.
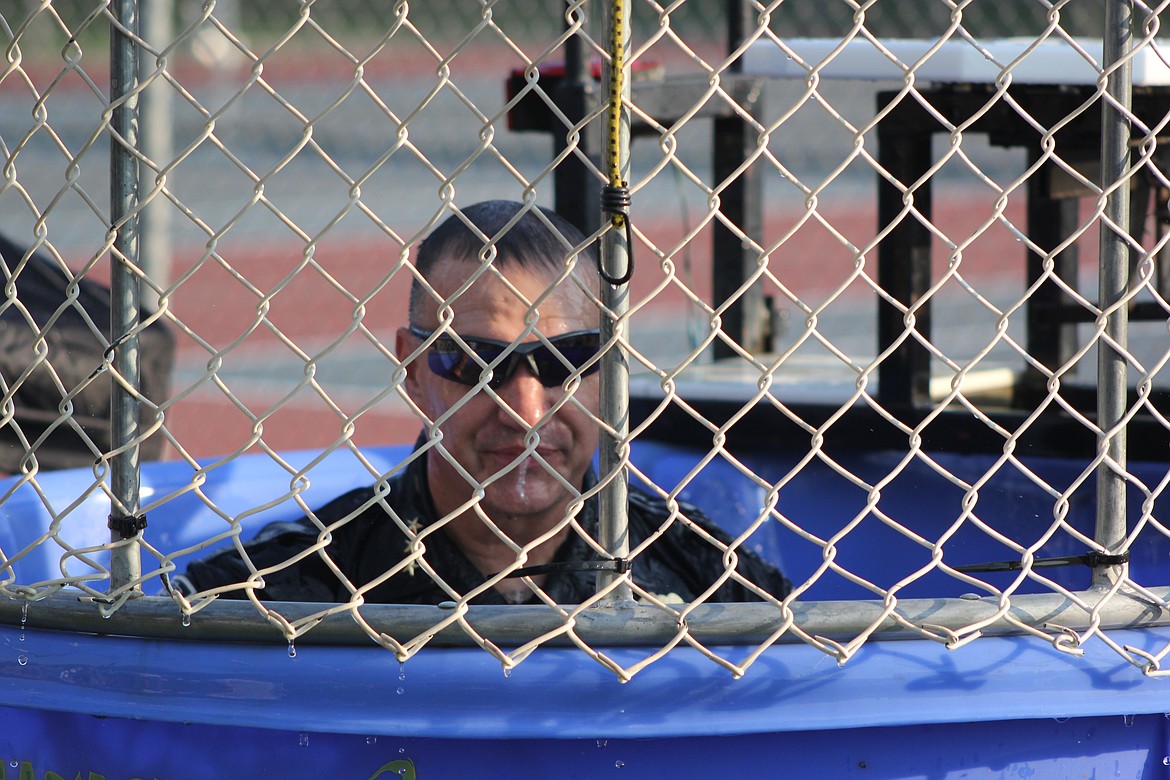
(449, 359)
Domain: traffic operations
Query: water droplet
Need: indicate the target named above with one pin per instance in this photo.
(14, 764)
(619, 764)
(522, 479)
(507, 671)
(303, 740)
(1165, 760)
(23, 660)
(186, 619)
(1061, 720)
(400, 690)
(402, 670)
(1127, 720)
(23, 614)
(20, 637)
(371, 740)
(602, 743)
(402, 750)
(292, 650)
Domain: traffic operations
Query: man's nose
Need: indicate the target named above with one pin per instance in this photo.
(524, 393)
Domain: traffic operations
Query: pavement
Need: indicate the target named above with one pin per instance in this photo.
(287, 271)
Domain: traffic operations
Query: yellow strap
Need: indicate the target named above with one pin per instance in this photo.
(617, 75)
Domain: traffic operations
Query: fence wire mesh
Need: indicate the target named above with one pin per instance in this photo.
(897, 320)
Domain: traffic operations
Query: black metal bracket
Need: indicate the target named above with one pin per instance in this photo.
(619, 565)
(127, 526)
(1091, 559)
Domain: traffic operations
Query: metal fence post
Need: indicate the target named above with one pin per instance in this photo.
(1113, 281)
(125, 520)
(156, 137)
(616, 267)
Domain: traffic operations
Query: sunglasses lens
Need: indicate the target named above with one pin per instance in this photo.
(575, 350)
(449, 360)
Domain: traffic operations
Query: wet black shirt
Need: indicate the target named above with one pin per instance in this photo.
(373, 540)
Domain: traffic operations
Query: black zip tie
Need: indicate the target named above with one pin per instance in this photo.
(616, 202)
(108, 352)
(1091, 559)
(127, 526)
(620, 565)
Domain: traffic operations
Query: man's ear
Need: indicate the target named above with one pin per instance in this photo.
(404, 345)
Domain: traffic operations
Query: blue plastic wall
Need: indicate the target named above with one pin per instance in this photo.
(76, 705)
(921, 499)
(34, 744)
(120, 707)
(821, 501)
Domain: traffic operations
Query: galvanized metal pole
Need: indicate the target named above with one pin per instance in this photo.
(125, 520)
(575, 186)
(616, 268)
(748, 320)
(157, 144)
(1113, 281)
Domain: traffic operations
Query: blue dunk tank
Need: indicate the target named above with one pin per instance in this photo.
(147, 693)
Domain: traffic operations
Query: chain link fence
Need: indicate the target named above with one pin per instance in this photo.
(896, 320)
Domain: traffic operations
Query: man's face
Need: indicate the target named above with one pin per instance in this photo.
(481, 434)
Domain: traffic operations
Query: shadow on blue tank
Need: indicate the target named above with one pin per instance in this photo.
(892, 541)
(915, 513)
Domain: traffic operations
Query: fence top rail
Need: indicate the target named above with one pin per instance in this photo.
(748, 624)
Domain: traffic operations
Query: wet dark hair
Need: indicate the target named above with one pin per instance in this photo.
(528, 244)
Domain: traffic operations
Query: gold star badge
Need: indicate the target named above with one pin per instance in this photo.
(414, 527)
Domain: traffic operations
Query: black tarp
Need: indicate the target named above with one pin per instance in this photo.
(75, 353)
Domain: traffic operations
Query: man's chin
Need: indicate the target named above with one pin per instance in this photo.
(513, 496)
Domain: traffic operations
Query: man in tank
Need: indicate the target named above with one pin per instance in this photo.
(497, 503)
